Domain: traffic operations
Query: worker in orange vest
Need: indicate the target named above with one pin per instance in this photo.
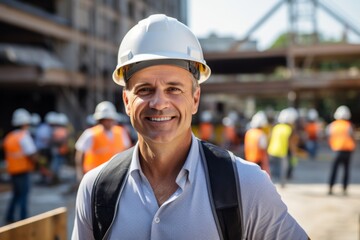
(59, 146)
(313, 131)
(21, 156)
(206, 127)
(230, 137)
(99, 143)
(342, 142)
(255, 144)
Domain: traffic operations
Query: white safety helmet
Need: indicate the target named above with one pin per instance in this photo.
(228, 122)
(156, 40)
(342, 112)
(35, 119)
(312, 114)
(288, 115)
(51, 117)
(105, 110)
(90, 120)
(62, 119)
(258, 120)
(206, 116)
(21, 117)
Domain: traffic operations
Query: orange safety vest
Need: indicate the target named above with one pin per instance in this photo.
(253, 152)
(312, 130)
(60, 137)
(340, 139)
(206, 131)
(17, 161)
(230, 134)
(103, 148)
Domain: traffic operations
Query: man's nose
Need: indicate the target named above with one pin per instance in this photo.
(159, 100)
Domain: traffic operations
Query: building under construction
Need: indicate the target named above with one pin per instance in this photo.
(304, 71)
(59, 55)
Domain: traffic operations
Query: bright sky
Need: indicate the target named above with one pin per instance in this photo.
(236, 17)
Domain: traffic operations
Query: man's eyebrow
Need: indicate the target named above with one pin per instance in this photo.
(176, 83)
(141, 84)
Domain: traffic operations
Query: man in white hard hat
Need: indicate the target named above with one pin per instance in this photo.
(20, 156)
(342, 141)
(165, 193)
(43, 138)
(282, 144)
(99, 143)
(256, 142)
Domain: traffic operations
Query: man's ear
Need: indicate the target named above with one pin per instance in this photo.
(196, 99)
(126, 102)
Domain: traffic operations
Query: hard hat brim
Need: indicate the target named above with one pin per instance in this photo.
(119, 78)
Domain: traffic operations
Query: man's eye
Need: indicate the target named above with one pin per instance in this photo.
(144, 91)
(174, 90)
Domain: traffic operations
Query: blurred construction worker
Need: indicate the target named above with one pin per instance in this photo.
(90, 121)
(342, 142)
(282, 141)
(256, 142)
(313, 131)
(206, 127)
(230, 137)
(43, 138)
(21, 156)
(99, 143)
(35, 122)
(59, 146)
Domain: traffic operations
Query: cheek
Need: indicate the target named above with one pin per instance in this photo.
(190, 103)
(134, 105)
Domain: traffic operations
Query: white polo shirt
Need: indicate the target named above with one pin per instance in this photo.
(187, 213)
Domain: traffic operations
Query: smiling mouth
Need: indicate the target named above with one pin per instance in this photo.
(159, 119)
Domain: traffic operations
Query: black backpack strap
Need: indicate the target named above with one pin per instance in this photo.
(225, 190)
(106, 190)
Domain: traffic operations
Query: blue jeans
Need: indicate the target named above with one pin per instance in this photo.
(20, 192)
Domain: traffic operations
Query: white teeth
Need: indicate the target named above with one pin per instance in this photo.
(160, 119)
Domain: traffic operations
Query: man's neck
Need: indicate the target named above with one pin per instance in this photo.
(163, 159)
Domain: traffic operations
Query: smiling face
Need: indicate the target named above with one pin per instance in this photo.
(160, 101)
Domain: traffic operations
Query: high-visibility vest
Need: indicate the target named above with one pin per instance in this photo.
(60, 137)
(279, 140)
(104, 148)
(17, 161)
(253, 152)
(206, 131)
(340, 138)
(230, 134)
(312, 129)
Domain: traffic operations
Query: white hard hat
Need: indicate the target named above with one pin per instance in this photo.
(35, 119)
(21, 117)
(206, 116)
(51, 117)
(312, 114)
(342, 112)
(288, 115)
(105, 110)
(90, 120)
(62, 119)
(158, 40)
(258, 120)
(227, 121)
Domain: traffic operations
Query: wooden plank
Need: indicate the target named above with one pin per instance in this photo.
(47, 226)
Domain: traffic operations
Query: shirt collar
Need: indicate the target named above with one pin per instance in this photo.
(189, 166)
